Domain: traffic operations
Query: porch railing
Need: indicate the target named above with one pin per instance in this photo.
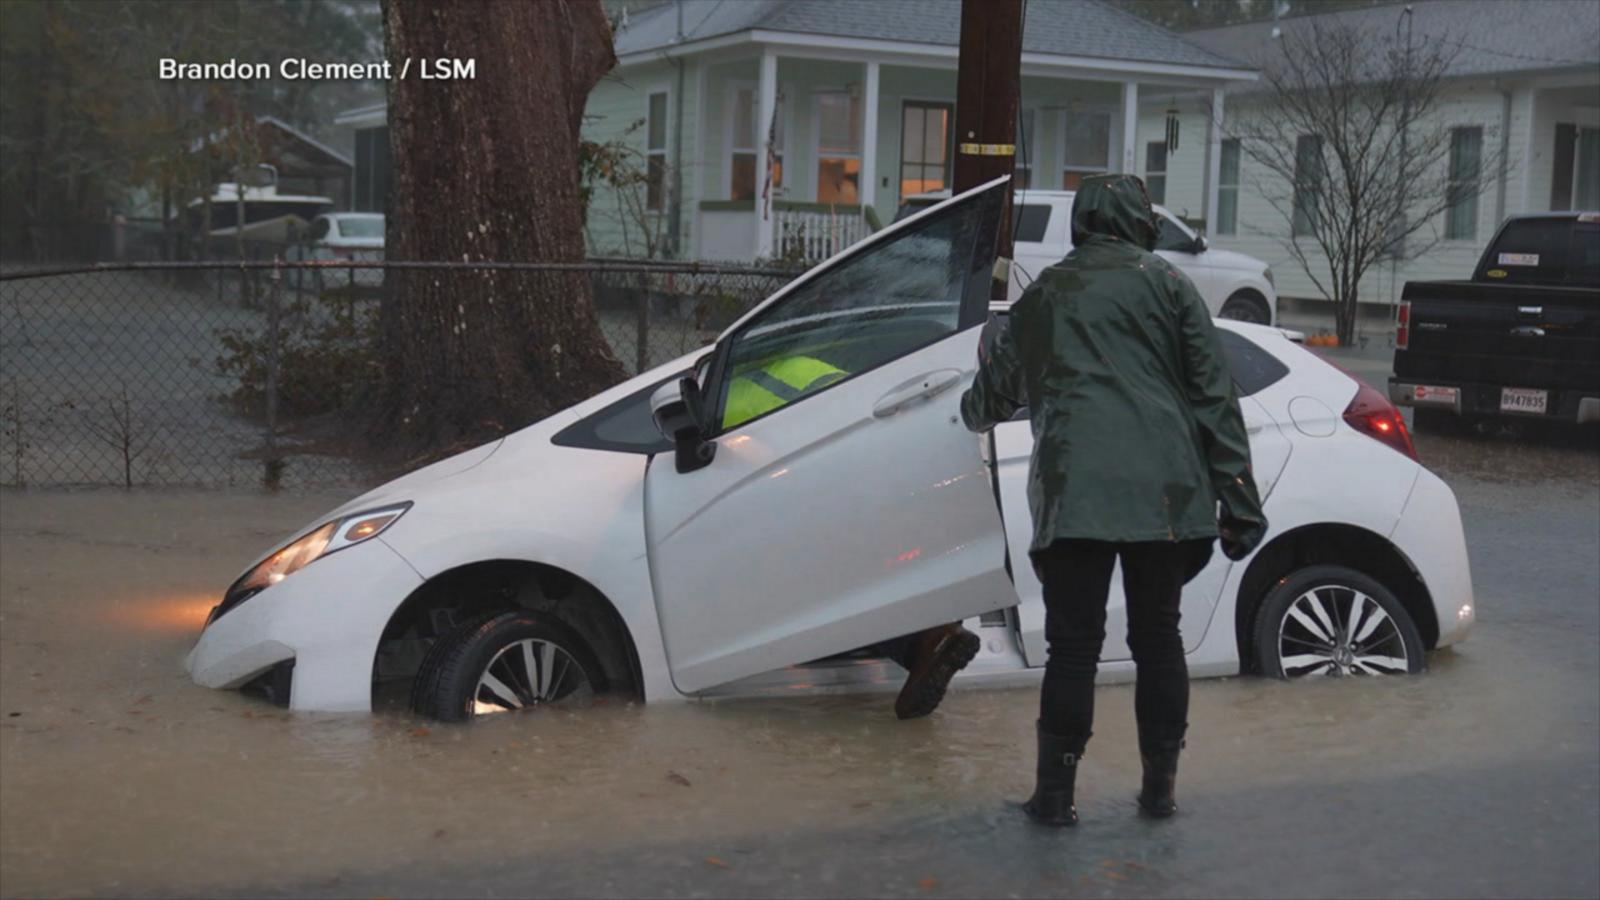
(813, 235)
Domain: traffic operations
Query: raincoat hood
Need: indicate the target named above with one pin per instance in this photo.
(1116, 207)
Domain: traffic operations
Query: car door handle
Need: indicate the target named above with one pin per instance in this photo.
(923, 387)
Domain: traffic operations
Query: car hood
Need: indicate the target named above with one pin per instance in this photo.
(1228, 259)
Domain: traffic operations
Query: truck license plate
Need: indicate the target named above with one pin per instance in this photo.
(1523, 400)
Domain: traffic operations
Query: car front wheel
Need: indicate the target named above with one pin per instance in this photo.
(1334, 621)
(505, 662)
(1247, 306)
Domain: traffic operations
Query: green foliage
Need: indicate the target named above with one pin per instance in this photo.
(326, 351)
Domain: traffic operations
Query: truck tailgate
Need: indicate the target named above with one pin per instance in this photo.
(1504, 334)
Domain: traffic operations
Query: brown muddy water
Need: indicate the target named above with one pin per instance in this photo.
(118, 776)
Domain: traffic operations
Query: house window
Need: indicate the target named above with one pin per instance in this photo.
(1228, 188)
(1308, 173)
(1024, 158)
(1086, 146)
(746, 141)
(1155, 170)
(655, 152)
(1461, 197)
(925, 132)
(838, 147)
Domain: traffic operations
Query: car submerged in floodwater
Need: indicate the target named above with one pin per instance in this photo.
(649, 542)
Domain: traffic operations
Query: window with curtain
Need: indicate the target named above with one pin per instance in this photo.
(1228, 188)
(1308, 177)
(1155, 170)
(838, 147)
(1024, 158)
(1466, 158)
(746, 143)
(1086, 146)
(655, 152)
(925, 132)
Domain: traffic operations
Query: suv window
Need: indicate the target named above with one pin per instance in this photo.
(1173, 237)
(1253, 368)
(1029, 222)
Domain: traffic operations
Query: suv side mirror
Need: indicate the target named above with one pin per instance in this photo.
(678, 411)
(1199, 245)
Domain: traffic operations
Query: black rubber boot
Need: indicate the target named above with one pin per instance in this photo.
(1057, 776)
(1158, 798)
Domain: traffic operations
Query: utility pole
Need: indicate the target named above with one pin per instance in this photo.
(987, 86)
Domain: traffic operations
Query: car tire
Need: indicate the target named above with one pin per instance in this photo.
(1247, 306)
(1306, 626)
(532, 659)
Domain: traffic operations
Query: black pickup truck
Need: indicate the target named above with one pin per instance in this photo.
(1522, 338)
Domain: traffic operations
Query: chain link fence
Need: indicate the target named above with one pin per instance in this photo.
(232, 373)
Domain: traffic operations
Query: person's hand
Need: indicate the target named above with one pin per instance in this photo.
(1239, 537)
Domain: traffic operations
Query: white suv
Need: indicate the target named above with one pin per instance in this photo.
(1235, 286)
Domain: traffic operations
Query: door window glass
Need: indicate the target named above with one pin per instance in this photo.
(838, 148)
(1173, 236)
(1228, 188)
(1086, 146)
(889, 299)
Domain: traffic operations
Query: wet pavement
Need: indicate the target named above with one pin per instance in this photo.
(120, 777)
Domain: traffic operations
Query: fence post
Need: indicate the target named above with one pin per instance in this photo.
(641, 352)
(272, 367)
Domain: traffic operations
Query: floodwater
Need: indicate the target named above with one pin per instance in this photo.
(118, 776)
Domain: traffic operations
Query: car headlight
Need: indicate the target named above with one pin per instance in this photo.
(327, 538)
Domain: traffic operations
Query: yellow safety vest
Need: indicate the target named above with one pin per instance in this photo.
(774, 384)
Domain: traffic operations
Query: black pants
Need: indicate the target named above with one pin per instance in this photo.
(1077, 582)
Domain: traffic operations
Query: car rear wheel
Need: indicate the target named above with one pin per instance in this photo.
(1335, 621)
(505, 662)
(1247, 306)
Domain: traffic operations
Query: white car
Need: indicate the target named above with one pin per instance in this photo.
(1235, 286)
(332, 237)
(588, 552)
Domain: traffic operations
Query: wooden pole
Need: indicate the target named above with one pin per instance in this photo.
(987, 87)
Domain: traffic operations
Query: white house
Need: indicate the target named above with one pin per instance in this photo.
(1525, 81)
(858, 97)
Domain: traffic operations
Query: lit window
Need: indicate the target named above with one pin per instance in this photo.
(838, 148)
(925, 131)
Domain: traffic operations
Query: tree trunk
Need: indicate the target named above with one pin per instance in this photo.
(487, 169)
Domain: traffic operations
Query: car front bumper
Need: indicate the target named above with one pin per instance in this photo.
(327, 619)
(1477, 400)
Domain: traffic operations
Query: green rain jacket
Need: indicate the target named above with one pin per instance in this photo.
(1137, 431)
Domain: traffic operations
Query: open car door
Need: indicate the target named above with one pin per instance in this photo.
(845, 503)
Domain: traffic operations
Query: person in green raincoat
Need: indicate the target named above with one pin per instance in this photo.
(1138, 442)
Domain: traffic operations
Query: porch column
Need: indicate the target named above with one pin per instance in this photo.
(767, 104)
(869, 139)
(1213, 159)
(1130, 126)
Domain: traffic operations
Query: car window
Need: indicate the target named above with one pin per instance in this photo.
(912, 207)
(1253, 368)
(361, 226)
(1545, 250)
(887, 300)
(1172, 236)
(1029, 222)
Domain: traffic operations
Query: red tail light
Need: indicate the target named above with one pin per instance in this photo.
(1402, 326)
(1372, 414)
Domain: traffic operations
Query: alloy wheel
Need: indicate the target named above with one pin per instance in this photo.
(1334, 630)
(529, 673)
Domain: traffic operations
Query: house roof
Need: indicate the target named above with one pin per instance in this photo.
(1494, 36)
(1071, 28)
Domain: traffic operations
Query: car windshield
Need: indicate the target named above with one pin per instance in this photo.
(361, 226)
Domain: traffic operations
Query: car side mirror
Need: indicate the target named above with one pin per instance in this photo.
(678, 411)
(1200, 244)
